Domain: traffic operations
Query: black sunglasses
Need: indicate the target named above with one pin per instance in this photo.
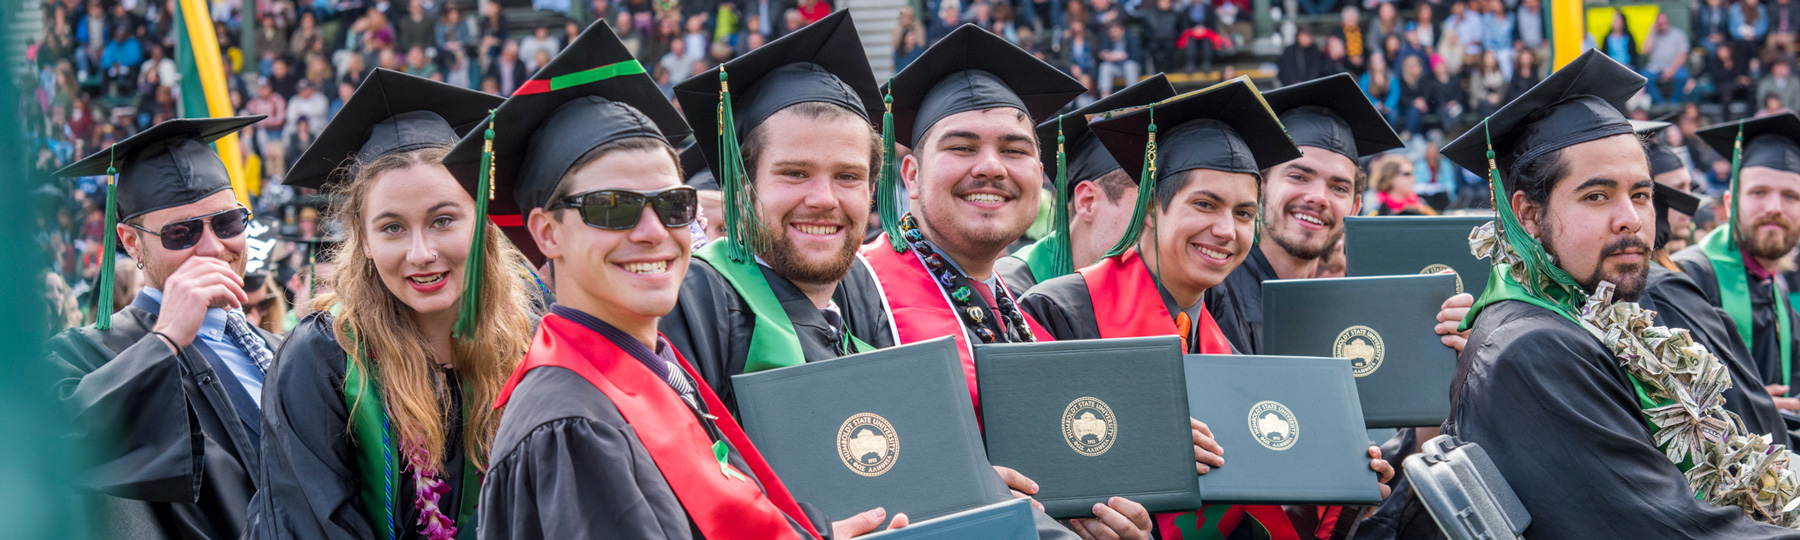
(620, 209)
(184, 234)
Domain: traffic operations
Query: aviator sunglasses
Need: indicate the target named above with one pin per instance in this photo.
(184, 234)
(620, 209)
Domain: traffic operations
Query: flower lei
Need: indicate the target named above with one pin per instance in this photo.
(428, 491)
(1729, 467)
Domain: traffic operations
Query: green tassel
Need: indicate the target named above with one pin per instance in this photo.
(1564, 291)
(467, 318)
(1146, 193)
(734, 181)
(887, 186)
(1737, 163)
(1062, 254)
(103, 305)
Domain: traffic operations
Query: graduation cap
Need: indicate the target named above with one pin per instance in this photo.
(1226, 127)
(969, 70)
(1070, 151)
(390, 113)
(1334, 114)
(1666, 199)
(1764, 141)
(592, 93)
(163, 167)
(1663, 158)
(695, 169)
(820, 63)
(1584, 101)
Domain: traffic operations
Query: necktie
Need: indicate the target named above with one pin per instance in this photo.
(1185, 326)
(986, 292)
(246, 339)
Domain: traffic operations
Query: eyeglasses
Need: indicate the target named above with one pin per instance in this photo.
(185, 233)
(620, 209)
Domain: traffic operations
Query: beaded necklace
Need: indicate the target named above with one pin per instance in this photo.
(973, 314)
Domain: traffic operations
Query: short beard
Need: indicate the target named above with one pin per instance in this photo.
(1764, 246)
(1297, 248)
(789, 263)
(1628, 283)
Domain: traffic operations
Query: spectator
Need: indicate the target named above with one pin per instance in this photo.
(1496, 34)
(1424, 26)
(1465, 20)
(1780, 84)
(1438, 184)
(417, 64)
(1784, 23)
(540, 40)
(909, 39)
(1487, 85)
(267, 103)
(281, 79)
(1378, 84)
(1528, 25)
(1301, 61)
(308, 103)
(1525, 75)
(677, 63)
(811, 11)
(1748, 26)
(459, 69)
(1077, 51)
(417, 28)
(298, 141)
(1446, 96)
(508, 72)
(1618, 42)
(1712, 24)
(1353, 39)
(1665, 60)
(121, 58)
(453, 30)
(1415, 96)
(1727, 77)
(1162, 28)
(162, 66)
(271, 35)
(1120, 56)
(1387, 23)
(1317, 7)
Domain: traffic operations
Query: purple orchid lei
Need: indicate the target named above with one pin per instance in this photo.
(428, 491)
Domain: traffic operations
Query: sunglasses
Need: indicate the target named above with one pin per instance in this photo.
(184, 234)
(620, 209)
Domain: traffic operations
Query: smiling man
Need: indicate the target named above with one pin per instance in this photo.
(166, 391)
(1565, 418)
(1304, 199)
(789, 287)
(1737, 265)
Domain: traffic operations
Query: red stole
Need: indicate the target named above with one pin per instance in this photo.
(722, 508)
(920, 308)
(1127, 304)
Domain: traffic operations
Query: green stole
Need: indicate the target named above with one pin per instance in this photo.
(1734, 295)
(1037, 259)
(1501, 287)
(379, 461)
(773, 342)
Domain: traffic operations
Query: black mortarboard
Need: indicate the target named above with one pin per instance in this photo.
(822, 62)
(169, 165)
(1225, 127)
(1663, 158)
(1581, 102)
(1769, 141)
(1666, 199)
(1334, 114)
(970, 70)
(1086, 158)
(592, 93)
(390, 113)
(695, 169)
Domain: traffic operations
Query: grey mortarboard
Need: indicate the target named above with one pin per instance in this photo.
(1333, 113)
(1769, 140)
(390, 113)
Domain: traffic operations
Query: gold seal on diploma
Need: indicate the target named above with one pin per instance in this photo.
(1362, 346)
(1088, 426)
(1433, 269)
(868, 444)
(1273, 425)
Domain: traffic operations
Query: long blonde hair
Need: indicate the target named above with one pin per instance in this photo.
(375, 326)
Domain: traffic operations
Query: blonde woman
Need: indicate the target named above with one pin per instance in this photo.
(1394, 194)
(377, 420)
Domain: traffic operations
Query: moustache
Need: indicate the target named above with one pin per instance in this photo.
(1622, 244)
(1005, 187)
(1322, 214)
(1776, 220)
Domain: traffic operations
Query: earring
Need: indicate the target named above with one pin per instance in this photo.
(140, 266)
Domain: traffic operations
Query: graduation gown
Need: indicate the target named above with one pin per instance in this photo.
(1765, 342)
(310, 477)
(712, 324)
(1016, 272)
(567, 464)
(1680, 303)
(1559, 417)
(172, 435)
(1237, 303)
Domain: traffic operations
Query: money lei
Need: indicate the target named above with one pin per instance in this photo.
(1730, 467)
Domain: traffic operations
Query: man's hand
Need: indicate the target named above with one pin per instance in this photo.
(1022, 487)
(1449, 316)
(1118, 519)
(1778, 392)
(1207, 452)
(865, 523)
(199, 284)
(1382, 468)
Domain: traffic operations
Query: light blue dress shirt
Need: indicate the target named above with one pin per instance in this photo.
(212, 333)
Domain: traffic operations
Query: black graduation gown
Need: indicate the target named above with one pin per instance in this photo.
(1680, 303)
(1016, 273)
(1559, 418)
(1765, 339)
(566, 466)
(311, 484)
(711, 324)
(1237, 303)
(171, 435)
